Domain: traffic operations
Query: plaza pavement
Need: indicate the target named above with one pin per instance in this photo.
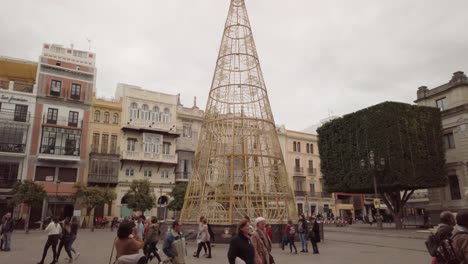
(339, 247)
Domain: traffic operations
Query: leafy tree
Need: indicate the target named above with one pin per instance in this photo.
(407, 137)
(89, 198)
(141, 196)
(178, 193)
(109, 195)
(29, 193)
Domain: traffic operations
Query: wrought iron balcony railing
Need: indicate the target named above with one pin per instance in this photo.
(12, 147)
(59, 150)
(182, 175)
(312, 171)
(7, 183)
(298, 169)
(12, 115)
(63, 121)
(96, 178)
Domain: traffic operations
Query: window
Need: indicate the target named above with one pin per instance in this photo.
(298, 163)
(300, 209)
(97, 116)
(113, 144)
(311, 148)
(187, 131)
(164, 174)
(75, 91)
(55, 88)
(8, 173)
(106, 117)
(95, 143)
(52, 114)
(298, 146)
(71, 147)
(43, 172)
(21, 113)
(145, 115)
(165, 116)
(442, 103)
(131, 142)
(133, 110)
(116, 118)
(299, 185)
(312, 188)
(105, 143)
(294, 146)
(454, 186)
(147, 173)
(58, 63)
(166, 148)
(12, 138)
(449, 142)
(73, 119)
(155, 115)
(129, 172)
(311, 164)
(307, 148)
(67, 174)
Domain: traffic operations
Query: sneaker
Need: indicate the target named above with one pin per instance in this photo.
(77, 255)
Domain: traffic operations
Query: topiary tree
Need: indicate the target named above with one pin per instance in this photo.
(89, 198)
(178, 193)
(407, 137)
(30, 194)
(141, 196)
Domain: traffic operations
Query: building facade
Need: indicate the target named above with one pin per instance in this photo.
(65, 83)
(301, 156)
(104, 148)
(148, 145)
(452, 99)
(189, 122)
(17, 112)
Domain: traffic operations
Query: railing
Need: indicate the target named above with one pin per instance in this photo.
(298, 169)
(320, 195)
(17, 86)
(312, 171)
(182, 175)
(59, 150)
(63, 121)
(300, 193)
(94, 178)
(12, 115)
(148, 156)
(7, 183)
(12, 147)
(103, 149)
(137, 122)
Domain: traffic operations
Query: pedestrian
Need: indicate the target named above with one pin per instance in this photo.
(251, 228)
(303, 234)
(460, 236)
(74, 233)
(128, 244)
(53, 235)
(8, 225)
(151, 240)
(140, 225)
(261, 243)
(314, 234)
(174, 244)
(290, 231)
(203, 238)
(240, 247)
(65, 240)
(269, 231)
(444, 231)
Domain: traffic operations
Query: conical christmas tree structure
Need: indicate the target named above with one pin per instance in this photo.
(239, 167)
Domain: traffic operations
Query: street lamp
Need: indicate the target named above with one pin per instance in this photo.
(57, 183)
(373, 167)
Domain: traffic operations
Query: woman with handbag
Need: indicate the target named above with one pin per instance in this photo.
(261, 243)
(314, 234)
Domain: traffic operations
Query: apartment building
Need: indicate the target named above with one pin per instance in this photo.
(17, 112)
(148, 144)
(65, 83)
(452, 99)
(302, 160)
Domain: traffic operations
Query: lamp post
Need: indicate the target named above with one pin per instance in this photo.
(373, 167)
(57, 183)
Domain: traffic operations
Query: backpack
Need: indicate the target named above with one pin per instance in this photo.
(432, 243)
(292, 230)
(447, 253)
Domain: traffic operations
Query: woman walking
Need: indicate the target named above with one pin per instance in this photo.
(261, 243)
(204, 238)
(302, 230)
(151, 240)
(291, 234)
(53, 234)
(74, 233)
(65, 240)
(240, 246)
(314, 234)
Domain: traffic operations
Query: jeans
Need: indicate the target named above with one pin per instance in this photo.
(303, 238)
(52, 240)
(73, 238)
(64, 243)
(7, 240)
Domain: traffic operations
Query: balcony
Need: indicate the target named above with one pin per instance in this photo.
(63, 121)
(17, 86)
(7, 183)
(105, 149)
(312, 171)
(321, 195)
(12, 147)
(103, 179)
(149, 157)
(12, 115)
(298, 170)
(137, 123)
(300, 193)
(59, 153)
(182, 176)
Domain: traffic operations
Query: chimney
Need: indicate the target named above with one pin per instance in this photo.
(422, 92)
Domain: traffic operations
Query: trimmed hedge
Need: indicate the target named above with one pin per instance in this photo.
(408, 137)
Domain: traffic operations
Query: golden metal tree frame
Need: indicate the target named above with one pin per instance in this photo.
(239, 167)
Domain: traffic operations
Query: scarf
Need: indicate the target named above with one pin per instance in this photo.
(265, 239)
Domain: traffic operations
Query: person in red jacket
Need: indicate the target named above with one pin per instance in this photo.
(291, 233)
(268, 231)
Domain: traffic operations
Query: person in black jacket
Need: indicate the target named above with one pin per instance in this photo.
(65, 241)
(8, 225)
(240, 245)
(314, 234)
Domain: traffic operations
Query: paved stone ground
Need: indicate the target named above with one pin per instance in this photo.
(339, 247)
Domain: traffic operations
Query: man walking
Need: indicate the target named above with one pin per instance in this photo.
(7, 229)
(460, 236)
(447, 222)
(174, 244)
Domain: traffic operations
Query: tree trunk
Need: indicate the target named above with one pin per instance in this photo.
(396, 202)
(26, 221)
(90, 222)
(397, 219)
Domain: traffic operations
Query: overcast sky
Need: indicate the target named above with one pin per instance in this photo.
(317, 56)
